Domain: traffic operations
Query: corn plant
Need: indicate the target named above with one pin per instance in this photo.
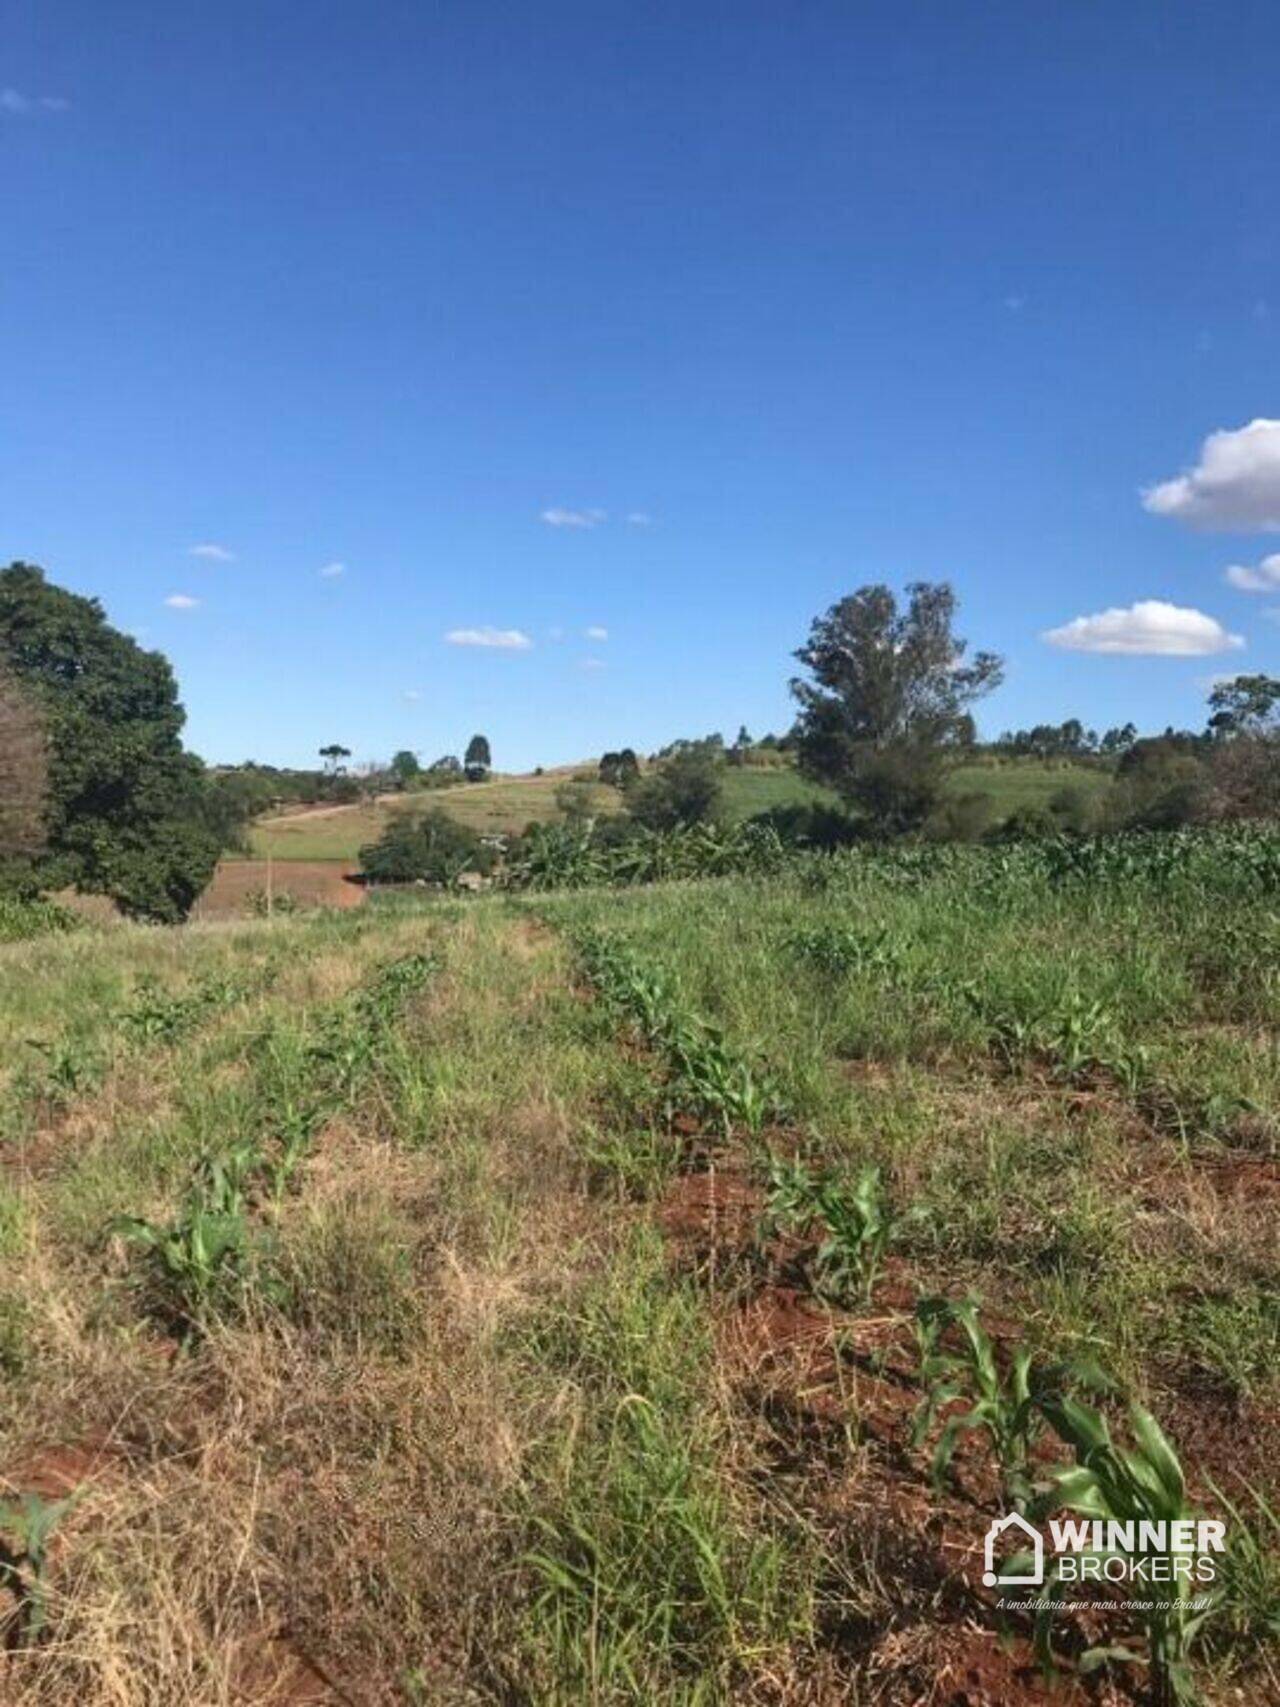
(854, 1217)
(26, 1524)
(200, 1256)
(1007, 1406)
(1144, 1485)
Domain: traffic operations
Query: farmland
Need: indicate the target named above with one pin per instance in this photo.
(507, 804)
(521, 1298)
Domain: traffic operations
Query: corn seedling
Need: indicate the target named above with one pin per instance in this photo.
(1007, 1407)
(26, 1525)
(855, 1223)
(200, 1256)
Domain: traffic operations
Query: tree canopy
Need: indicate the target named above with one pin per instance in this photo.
(126, 808)
(890, 692)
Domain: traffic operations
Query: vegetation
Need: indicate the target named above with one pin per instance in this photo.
(126, 812)
(888, 698)
(275, 1228)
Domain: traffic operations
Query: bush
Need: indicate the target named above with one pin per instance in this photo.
(684, 790)
(961, 818)
(21, 919)
(427, 847)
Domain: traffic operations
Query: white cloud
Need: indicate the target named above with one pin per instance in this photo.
(503, 639)
(331, 571)
(1151, 626)
(640, 518)
(1263, 579)
(181, 601)
(212, 553)
(412, 694)
(559, 518)
(1235, 484)
(596, 632)
(593, 663)
(14, 101)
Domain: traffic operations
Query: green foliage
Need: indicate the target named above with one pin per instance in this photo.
(20, 920)
(478, 760)
(855, 1222)
(685, 790)
(1142, 1484)
(426, 847)
(889, 694)
(707, 1077)
(126, 811)
(958, 1362)
(202, 1262)
(405, 768)
(580, 856)
(649, 1584)
(28, 1523)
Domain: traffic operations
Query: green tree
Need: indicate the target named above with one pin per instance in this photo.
(128, 811)
(888, 699)
(405, 768)
(686, 789)
(1246, 705)
(477, 760)
(428, 847)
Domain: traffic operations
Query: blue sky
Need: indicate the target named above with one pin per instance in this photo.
(769, 300)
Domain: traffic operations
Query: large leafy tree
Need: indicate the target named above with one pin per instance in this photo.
(128, 810)
(889, 695)
(1245, 705)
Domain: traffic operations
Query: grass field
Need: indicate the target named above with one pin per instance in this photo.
(488, 1301)
(508, 804)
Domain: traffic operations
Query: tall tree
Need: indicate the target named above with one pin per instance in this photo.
(888, 698)
(478, 760)
(1246, 705)
(405, 767)
(127, 807)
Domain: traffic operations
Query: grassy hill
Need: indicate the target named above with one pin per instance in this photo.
(506, 804)
(389, 1286)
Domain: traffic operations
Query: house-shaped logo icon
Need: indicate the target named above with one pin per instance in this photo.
(997, 1529)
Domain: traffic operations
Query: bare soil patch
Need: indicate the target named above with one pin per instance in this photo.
(307, 882)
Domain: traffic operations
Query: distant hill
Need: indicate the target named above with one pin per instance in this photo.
(508, 803)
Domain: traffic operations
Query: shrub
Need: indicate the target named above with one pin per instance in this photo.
(426, 847)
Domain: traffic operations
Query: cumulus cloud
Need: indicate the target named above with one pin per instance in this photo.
(1235, 484)
(596, 632)
(1151, 626)
(640, 518)
(181, 601)
(14, 101)
(561, 518)
(1265, 578)
(331, 571)
(502, 639)
(212, 553)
